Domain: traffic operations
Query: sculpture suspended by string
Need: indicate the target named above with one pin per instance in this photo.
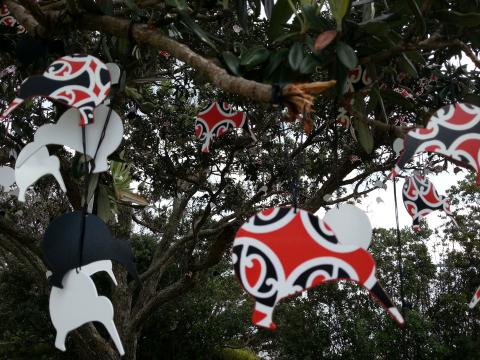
(216, 120)
(33, 163)
(475, 298)
(357, 79)
(79, 81)
(7, 178)
(7, 20)
(280, 252)
(421, 198)
(67, 132)
(63, 251)
(78, 303)
(453, 131)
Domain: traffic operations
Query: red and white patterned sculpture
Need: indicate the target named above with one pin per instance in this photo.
(79, 81)
(421, 198)
(7, 20)
(475, 298)
(216, 120)
(281, 252)
(453, 131)
(357, 79)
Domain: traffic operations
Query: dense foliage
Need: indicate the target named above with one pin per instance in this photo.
(181, 207)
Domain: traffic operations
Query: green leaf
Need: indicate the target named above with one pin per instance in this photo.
(458, 18)
(308, 64)
(254, 56)
(282, 11)
(295, 56)
(242, 14)
(408, 66)
(132, 93)
(103, 204)
(147, 107)
(92, 186)
(339, 8)
(232, 62)
(378, 97)
(274, 62)
(179, 4)
(420, 20)
(197, 30)
(346, 55)
(393, 97)
(364, 135)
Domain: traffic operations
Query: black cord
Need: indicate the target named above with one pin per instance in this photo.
(400, 269)
(89, 172)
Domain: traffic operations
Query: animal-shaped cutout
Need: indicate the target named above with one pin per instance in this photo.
(79, 81)
(67, 132)
(280, 252)
(6, 19)
(453, 131)
(357, 79)
(475, 298)
(35, 162)
(61, 246)
(421, 198)
(78, 303)
(215, 120)
(7, 178)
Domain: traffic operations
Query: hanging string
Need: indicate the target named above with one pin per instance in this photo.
(400, 269)
(90, 169)
(399, 243)
(335, 159)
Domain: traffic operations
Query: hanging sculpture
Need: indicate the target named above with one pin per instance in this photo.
(79, 81)
(453, 131)
(7, 20)
(63, 249)
(421, 198)
(33, 163)
(281, 252)
(475, 298)
(78, 303)
(216, 120)
(67, 132)
(357, 79)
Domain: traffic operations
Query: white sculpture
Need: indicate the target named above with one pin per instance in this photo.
(78, 303)
(33, 162)
(7, 178)
(67, 132)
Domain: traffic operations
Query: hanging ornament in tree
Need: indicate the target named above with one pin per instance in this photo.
(6, 19)
(421, 198)
(67, 132)
(216, 120)
(475, 298)
(79, 81)
(63, 249)
(453, 131)
(7, 178)
(78, 303)
(33, 163)
(357, 79)
(281, 252)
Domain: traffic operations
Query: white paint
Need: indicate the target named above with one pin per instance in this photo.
(350, 225)
(115, 72)
(36, 163)
(7, 178)
(67, 132)
(78, 303)
(398, 146)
